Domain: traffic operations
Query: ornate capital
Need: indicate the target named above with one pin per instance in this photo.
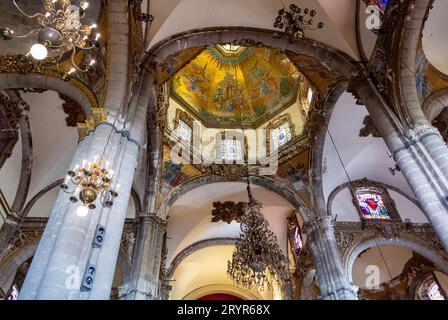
(418, 131)
(151, 218)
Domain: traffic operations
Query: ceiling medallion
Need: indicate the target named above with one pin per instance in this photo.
(294, 21)
(61, 31)
(257, 258)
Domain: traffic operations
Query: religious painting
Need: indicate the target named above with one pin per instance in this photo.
(168, 67)
(295, 172)
(225, 85)
(374, 204)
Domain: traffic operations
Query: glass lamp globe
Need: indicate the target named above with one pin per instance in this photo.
(39, 51)
(82, 211)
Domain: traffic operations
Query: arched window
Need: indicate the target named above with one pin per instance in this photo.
(373, 202)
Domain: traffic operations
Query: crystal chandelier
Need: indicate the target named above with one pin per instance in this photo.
(257, 258)
(294, 22)
(61, 31)
(89, 183)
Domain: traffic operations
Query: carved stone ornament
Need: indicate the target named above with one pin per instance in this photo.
(228, 211)
(369, 128)
(75, 113)
(349, 234)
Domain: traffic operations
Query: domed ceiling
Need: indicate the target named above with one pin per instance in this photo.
(228, 85)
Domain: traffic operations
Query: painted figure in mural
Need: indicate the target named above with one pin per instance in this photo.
(297, 176)
(172, 173)
(197, 81)
(228, 97)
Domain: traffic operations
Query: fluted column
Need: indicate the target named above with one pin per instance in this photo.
(420, 153)
(331, 277)
(144, 283)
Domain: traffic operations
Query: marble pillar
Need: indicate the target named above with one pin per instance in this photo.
(419, 152)
(144, 283)
(331, 277)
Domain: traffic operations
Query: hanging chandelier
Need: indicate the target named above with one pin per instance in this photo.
(257, 258)
(61, 31)
(89, 183)
(294, 21)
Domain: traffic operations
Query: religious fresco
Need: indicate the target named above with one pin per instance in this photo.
(318, 74)
(294, 173)
(173, 63)
(237, 85)
(428, 79)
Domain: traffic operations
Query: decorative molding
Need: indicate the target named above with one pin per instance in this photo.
(16, 65)
(350, 234)
(75, 113)
(369, 128)
(99, 116)
(31, 229)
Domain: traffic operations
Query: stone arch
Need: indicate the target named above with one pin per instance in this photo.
(334, 59)
(435, 103)
(343, 186)
(195, 247)
(409, 242)
(78, 92)
(337, 61)
(284, 191)
(211, 289)
(13, 262)
(411, 35)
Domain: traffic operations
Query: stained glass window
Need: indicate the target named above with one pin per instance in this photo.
(184, 131)
(281, 135)
(231, 150)
(372, 207)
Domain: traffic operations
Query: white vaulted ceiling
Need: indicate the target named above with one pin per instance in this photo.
(435, 39)
(176, 16)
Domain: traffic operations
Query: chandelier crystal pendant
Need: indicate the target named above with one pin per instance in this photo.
(89, 183)
(61, 31)
(295, 21)
(257, 258)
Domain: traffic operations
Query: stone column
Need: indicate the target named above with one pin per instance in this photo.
(419, 152)
(330, 273)
(144, 283)
(66, 244)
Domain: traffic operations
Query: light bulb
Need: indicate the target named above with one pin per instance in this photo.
(98, 35)
(92, 62)
(39, 51)
(93, 26)
(71, 70)
(82, 211)
(85, 5)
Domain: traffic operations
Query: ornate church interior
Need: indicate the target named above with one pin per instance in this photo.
(223, 150)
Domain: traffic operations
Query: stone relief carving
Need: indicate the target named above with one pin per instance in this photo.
(369, 128)
(228, 211)
(349, 234)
